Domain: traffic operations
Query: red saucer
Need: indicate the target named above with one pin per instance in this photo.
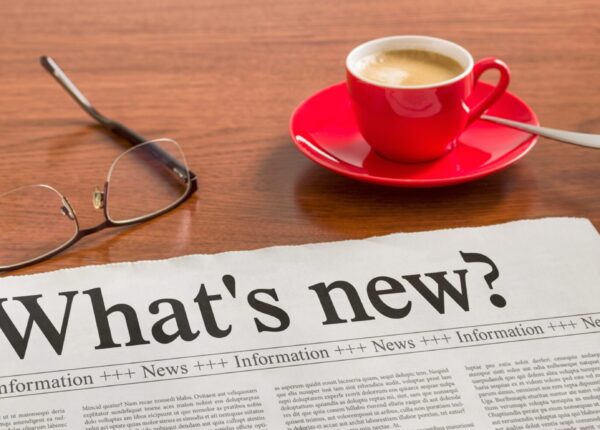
(324, 129)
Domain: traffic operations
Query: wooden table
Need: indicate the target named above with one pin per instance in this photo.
(223, 76)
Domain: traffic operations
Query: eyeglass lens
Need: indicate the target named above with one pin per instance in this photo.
(141, 183)
(33, 222)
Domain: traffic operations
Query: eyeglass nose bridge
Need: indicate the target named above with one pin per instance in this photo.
(98, 198)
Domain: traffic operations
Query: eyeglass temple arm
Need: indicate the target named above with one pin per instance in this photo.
(117, 128)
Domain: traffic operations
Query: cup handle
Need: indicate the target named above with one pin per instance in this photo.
(480, 67)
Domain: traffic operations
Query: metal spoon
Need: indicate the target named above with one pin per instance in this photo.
(583, 139)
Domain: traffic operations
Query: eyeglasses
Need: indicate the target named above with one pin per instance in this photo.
(146, 181)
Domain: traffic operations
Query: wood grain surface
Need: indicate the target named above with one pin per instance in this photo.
(222, 78)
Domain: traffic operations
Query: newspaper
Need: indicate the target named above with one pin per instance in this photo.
(490, 328)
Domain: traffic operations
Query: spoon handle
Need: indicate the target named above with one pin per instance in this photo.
(583, 139)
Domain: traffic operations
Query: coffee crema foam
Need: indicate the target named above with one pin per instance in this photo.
(409, 67)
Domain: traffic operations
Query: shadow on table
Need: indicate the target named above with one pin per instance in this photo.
(350, 206)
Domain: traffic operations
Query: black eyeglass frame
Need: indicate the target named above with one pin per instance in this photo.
(134, 139)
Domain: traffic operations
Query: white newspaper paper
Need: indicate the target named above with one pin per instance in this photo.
(488, 328)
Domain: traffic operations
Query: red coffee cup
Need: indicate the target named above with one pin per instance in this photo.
(412, 124)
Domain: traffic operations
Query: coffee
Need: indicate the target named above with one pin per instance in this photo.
(408, 67)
